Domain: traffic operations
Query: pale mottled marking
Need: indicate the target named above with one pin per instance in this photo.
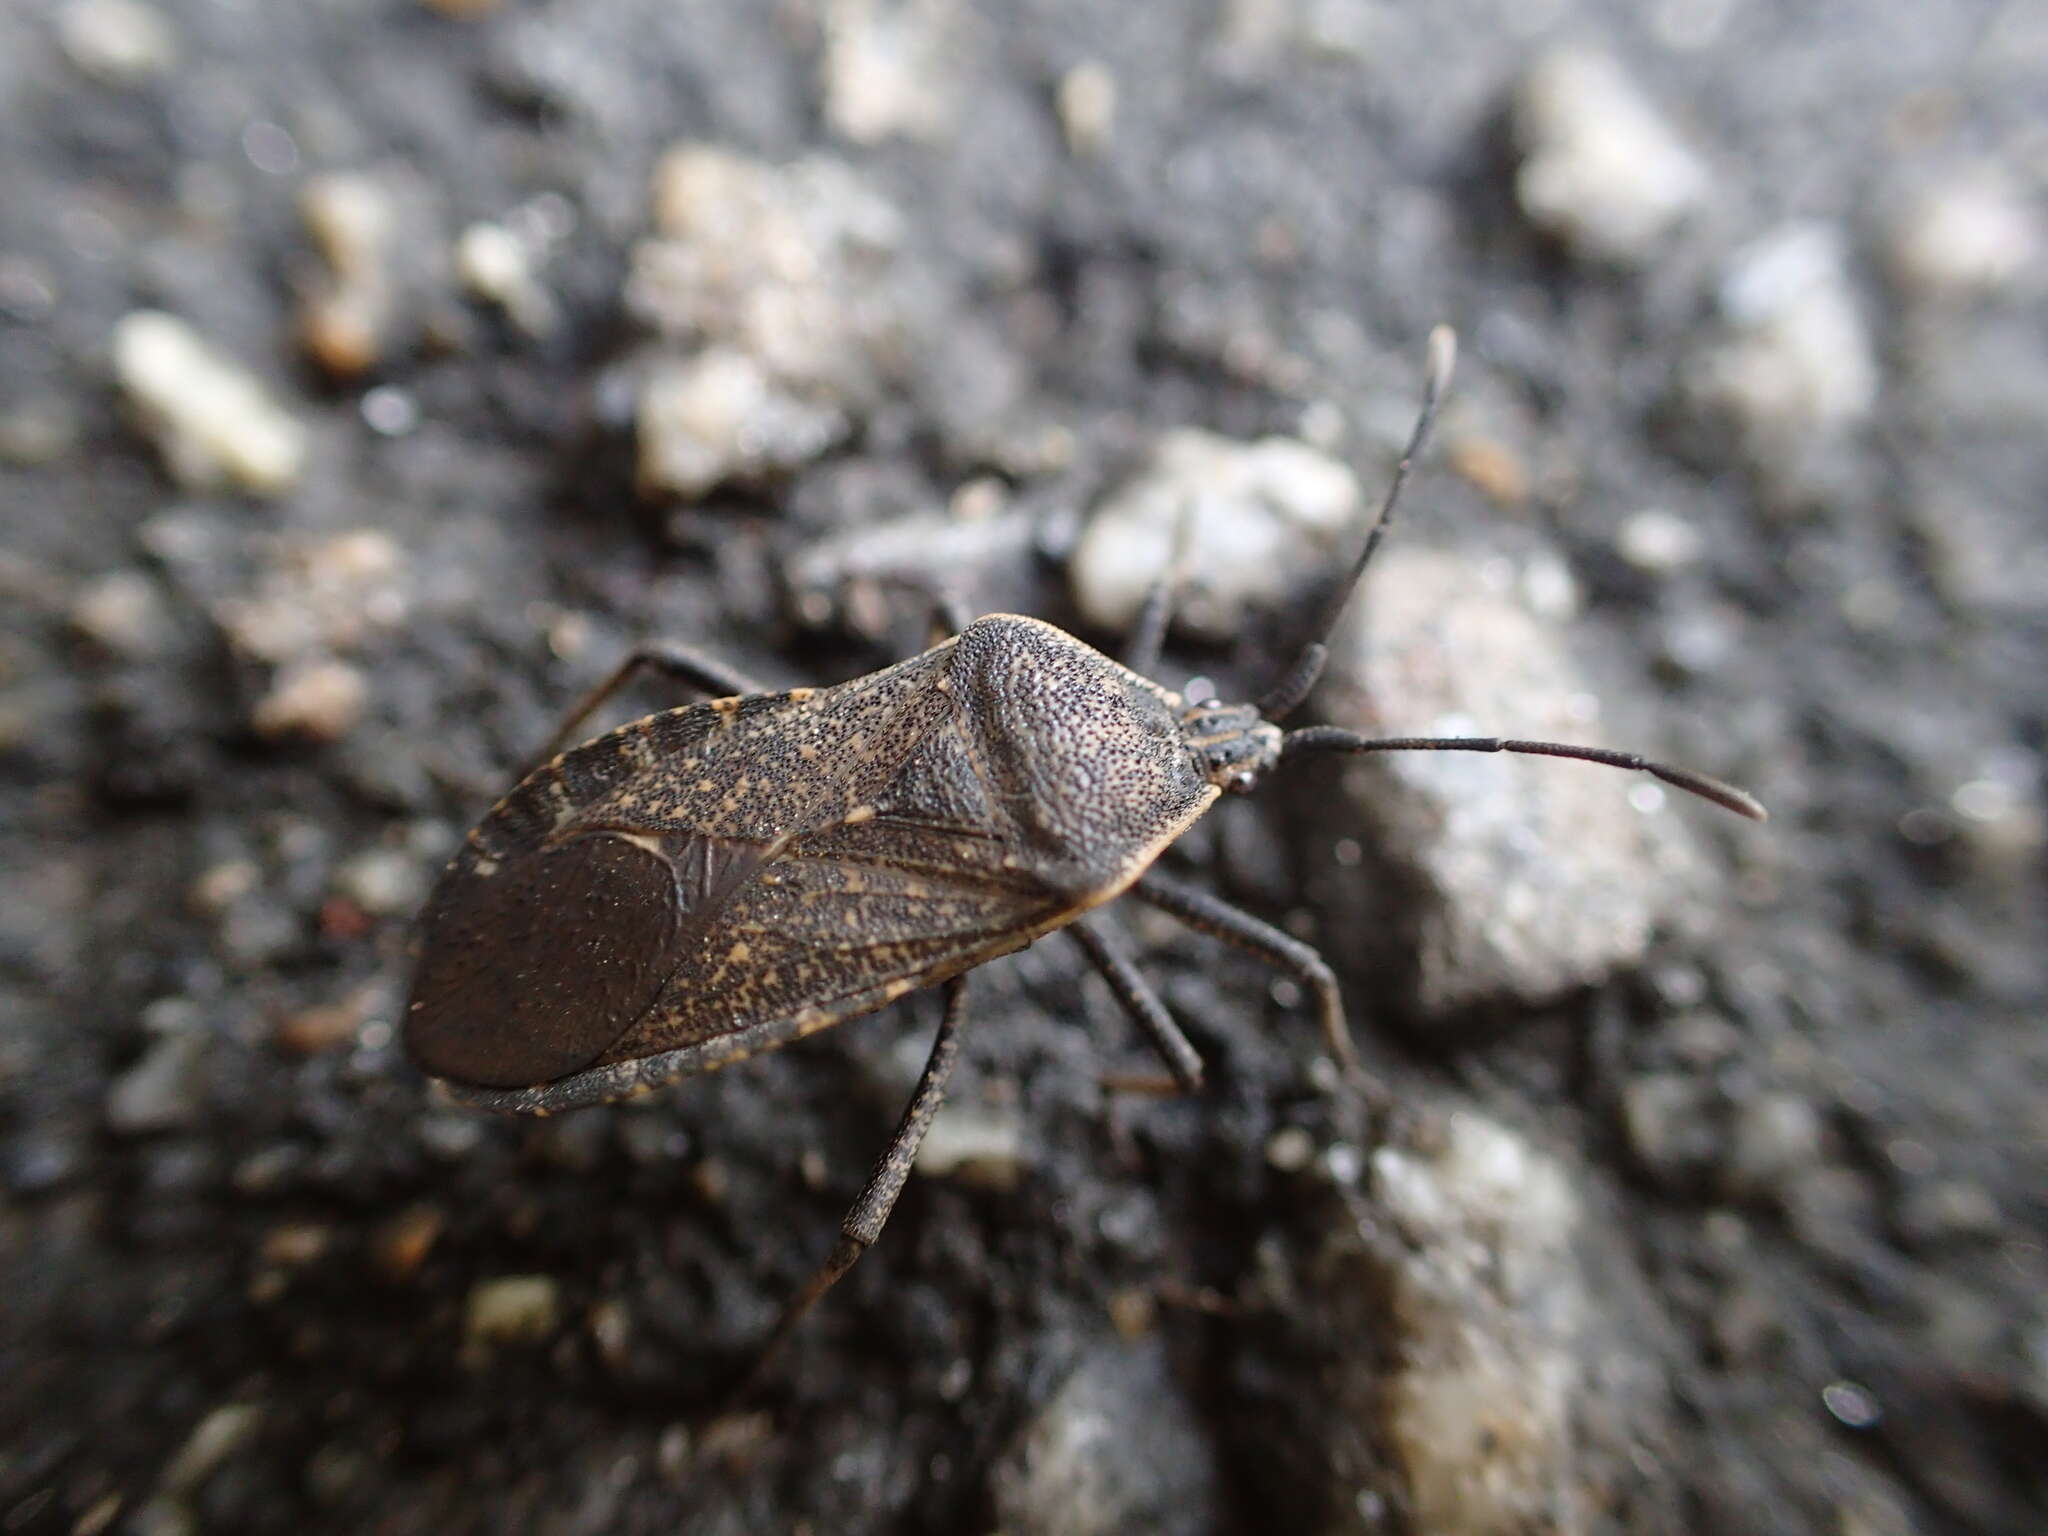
(739, 954)
(859, 814)
(898, 988)
(484, 868)
(800, 695)
(705, 786)
(807, 752)
(727, 709)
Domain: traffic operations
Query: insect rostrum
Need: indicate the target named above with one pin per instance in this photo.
(721, 879)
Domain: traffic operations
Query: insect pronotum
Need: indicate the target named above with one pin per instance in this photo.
(721, 879)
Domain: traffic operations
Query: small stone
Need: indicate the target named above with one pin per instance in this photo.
(123, 613)
(165, 1089)
(1116, 1449)
(212, 422)
(213, 1440)
(1290, 1149)
(294, 1244)
(1659, 542)
(383, 882)
(316, 598)
(1493, 467)
(1601, 170)
(611, 1330)
(1492, 1328)
(400, 1245)
(1526, 878)
(321, 701)
(347, 320)
(513, 1309)
(1974, 233)
(1775, 1138)
(720, 417)
(1086, 102)
(325, 1026)
(980, 1144)
(121, 42)
(1133, 1312)
(784, 294)
(1256, 523)
(495, 264)
(1795, 356)
(889, 68)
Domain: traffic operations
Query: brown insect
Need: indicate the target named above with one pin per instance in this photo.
(721, 879)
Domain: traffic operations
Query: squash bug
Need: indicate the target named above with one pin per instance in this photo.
(724, 878)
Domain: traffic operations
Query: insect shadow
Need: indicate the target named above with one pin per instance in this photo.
(721, 879)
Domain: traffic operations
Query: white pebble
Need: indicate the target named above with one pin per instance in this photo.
(513, 1309)
(1261, 519)
(118, 41)
(982, 1143)
(123, 613)
(321, 699)
(497, 265)
(1086, 102)
(1290, 1149)
(888, 68)
(1601, 169)
(1797, 356)
(1658, 541)
(212, 422)
(346, 319)
(1973, 234)
(719, 416)
(382, 881)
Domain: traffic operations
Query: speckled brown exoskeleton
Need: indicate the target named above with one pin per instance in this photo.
(722, 879)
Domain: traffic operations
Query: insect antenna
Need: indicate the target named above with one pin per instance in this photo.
(1326, 738)
(1300, 677)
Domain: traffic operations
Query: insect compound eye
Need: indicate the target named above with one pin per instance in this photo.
(532, 972)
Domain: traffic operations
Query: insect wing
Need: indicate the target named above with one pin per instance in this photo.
(532, 967)
(840, 924)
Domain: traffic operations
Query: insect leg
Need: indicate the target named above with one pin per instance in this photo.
(1148, 635)
(692, 668)
(864, 1222)
(1141, 653)
(1141, 1003)
(1212, 915)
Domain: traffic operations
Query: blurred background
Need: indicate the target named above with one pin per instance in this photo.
(374, 372)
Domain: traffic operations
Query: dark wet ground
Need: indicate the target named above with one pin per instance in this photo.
(248, 1258)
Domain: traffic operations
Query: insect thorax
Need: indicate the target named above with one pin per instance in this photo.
(1082, 758)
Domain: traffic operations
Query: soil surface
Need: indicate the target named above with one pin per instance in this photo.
(260, 1277)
